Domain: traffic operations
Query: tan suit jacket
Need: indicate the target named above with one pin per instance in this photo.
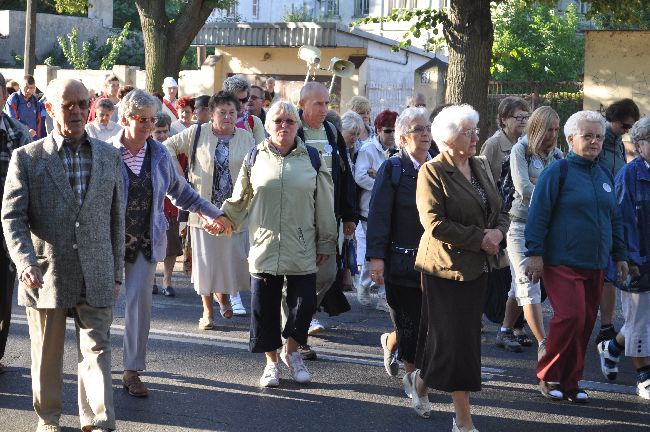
(453, 216)
(78, 248)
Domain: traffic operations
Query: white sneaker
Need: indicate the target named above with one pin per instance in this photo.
(363, 295)
(315, 327)
(237, 305)
(296, 366)
(382, 305)
(271, 376)
(643, 389)
(206, 323)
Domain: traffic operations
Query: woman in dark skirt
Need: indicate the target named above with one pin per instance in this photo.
(464, 228)
(393, 234)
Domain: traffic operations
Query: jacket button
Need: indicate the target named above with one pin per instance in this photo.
(76, 224)
(74, 246)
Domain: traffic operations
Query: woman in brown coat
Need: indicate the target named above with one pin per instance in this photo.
(464, 227)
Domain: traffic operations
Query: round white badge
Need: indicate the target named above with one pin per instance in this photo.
(538, 164)
(327, 149)
(607, 187)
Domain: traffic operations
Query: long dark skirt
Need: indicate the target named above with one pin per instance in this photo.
(449, 341)
(405, 307)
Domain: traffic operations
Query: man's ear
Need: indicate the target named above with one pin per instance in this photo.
(49, 108)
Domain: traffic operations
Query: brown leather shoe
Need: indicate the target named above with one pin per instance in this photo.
(134, 386)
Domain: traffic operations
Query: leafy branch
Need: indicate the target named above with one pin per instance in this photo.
(78, 59)
(116, 42)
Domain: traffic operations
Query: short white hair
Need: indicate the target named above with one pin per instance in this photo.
(446, 125)
(236, 83)
(407, 117)
(281, 107)
(351, 121)
(136, 100)
(572, 125)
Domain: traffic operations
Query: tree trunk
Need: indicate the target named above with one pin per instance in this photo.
(165, 43)
(29, 55)
(469, 36)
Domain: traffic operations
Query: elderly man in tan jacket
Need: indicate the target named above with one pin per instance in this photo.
(64, 226)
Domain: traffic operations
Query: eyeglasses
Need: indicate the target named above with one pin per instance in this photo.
(69, 105)
(590, 137)
(244, 100)
(143, 120)
(626, 126)
(469, 132)
(287, 122)
(521, 118)
(420, 130)
(387, 130)
(253, 97)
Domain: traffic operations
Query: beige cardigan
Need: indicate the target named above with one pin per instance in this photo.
(202, 172)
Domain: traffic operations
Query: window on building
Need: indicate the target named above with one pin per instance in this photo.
(361, 8)
(583, 7)
(255, 12)
(329, 7)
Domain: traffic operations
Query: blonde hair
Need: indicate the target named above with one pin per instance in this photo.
(538, 124)
(359, 104)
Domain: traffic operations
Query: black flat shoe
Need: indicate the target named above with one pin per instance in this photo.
(552, 391)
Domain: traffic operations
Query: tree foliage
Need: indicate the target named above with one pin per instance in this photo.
(115, 44)
(535, 43)
(78, 58)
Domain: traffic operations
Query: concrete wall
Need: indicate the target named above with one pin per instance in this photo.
(48, 27)
(617, 65)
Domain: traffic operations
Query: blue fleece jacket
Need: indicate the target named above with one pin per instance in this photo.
(577, 224)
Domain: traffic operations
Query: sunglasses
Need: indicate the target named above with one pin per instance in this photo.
(388, 130)
(288, 122)
(626, 126)
(143, 120)
(69, 106)
(244, 100)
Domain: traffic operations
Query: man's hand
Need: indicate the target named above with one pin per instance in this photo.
(348, 228)
(321, 258)
(376, 268)
(220, 225)
(534, 268)
(32, 133)
(32, 277)
(116, 290)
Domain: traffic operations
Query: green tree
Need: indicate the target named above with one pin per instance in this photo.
(115, 44)
(78, 58)
(469, 33)
(535, 43)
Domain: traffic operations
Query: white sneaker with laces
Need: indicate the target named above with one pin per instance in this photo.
(237, 305)
(315, 327)
(271, 376)
(643, 389)
(296, 366)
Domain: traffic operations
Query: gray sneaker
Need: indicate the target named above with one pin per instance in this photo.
(507, 341)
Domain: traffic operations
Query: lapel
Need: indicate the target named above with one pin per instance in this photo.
(459, 179)
(481, 173)
(58, 173)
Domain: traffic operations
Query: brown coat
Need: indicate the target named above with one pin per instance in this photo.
(453, 216)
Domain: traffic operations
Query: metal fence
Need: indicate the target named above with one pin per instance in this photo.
(564, 97)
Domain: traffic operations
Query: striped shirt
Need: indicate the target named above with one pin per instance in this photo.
(77, 161)
(134, 162)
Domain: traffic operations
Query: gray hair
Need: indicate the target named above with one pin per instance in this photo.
(408, 116)
(105, 103)
(641, 130)
(236, 83)
(446, 125)
(281, 107)
(136, 100)
(572, 125)
(351, 121)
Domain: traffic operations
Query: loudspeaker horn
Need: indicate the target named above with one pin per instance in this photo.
(341, 68)
(309, 54)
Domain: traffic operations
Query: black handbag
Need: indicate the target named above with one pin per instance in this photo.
(496, 296)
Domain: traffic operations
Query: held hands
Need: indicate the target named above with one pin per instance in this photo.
(372, 173)
(377, 270)
(534, 268)
(220, 225)
(348, 228)
(32, 277)
(491, 241)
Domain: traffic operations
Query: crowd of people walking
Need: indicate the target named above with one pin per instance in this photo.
(270, 194)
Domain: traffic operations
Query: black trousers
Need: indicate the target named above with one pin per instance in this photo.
(266, 320)
(7, 280)
(405, 308)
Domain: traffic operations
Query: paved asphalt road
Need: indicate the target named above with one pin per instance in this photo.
(208, 381)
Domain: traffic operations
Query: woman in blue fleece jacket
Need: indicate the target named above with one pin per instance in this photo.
(573, 225)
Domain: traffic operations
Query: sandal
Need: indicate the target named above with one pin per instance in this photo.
(524, 339)
(552, 391)
(421, 405)
(578, 395)
(225, 309)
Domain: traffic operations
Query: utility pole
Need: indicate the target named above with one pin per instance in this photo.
(29, 56)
